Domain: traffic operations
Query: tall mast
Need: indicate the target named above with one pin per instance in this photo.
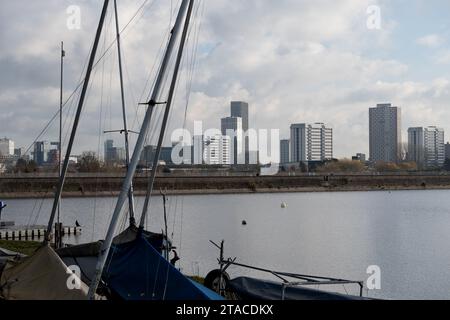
(125, 122)
(106, 246)
(63, 54)
(62, 177)
(166, 117)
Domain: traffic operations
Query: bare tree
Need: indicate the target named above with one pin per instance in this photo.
(89, 162)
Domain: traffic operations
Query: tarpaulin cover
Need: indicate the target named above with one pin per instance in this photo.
(136, 271)
(8, 256)
(85, 256)
(130, 234)
(42, 276)
(256, 289)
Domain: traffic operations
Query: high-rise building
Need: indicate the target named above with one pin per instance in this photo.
(121, 155)
(18, 152)
(284, 151)
(232, 127)
(148, 155)
(298, 142)
(114, 155)
(447, 150)
(166, 155)
(426, 147)
(198, 149)
(385, 133)
(434, 147)
(6, 147)
(217, 150)
(359, 157)
(416, 146)
(41, 150)
(239, 109)
(109, 152)
(53, 156)
(320, 142)
(311, 142)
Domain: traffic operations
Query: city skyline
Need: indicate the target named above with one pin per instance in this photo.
(381, 114)
(317, 72)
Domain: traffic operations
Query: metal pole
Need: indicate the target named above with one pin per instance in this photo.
(166, 252)
(166, 117)
(63, 54)
(137, 153)
(124, 113)
(62, 178)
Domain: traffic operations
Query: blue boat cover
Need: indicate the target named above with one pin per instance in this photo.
(136, 271)
(256, 289)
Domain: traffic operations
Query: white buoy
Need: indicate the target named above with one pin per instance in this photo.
(284, 205)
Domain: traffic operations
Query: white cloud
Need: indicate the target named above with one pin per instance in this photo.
(293, 61)
(443, 57)
(431, 41)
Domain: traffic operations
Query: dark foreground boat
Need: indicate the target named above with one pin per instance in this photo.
(290, 286)
(246, 288)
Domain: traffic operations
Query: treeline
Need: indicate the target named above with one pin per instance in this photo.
(354, 166)
(88, 162)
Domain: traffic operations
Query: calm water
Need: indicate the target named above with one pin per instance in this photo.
(405, 233)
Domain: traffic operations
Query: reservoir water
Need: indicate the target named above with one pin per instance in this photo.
(405, 233)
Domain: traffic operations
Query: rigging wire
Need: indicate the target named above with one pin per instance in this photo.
(159, 111)
(190, 71)
(40, 207)
(151, 73)
(32, 213)
(81, 80)
(100, 127)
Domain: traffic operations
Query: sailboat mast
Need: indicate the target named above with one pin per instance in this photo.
(65, 166)
(63, 54)
(106, 246)
(124, 114)
(166, 117)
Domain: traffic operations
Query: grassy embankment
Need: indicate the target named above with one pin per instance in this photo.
(24, 247)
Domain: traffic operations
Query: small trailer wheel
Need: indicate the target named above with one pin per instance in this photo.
(212, 280)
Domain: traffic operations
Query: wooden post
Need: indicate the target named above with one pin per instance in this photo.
(61, 233)
(58, 235)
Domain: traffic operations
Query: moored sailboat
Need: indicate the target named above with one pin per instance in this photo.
(136, 270)
(43, 275)
(137, 260)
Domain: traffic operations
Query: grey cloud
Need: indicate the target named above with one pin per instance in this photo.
(292, 60)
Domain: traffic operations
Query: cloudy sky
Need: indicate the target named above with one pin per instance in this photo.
(292, 60)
